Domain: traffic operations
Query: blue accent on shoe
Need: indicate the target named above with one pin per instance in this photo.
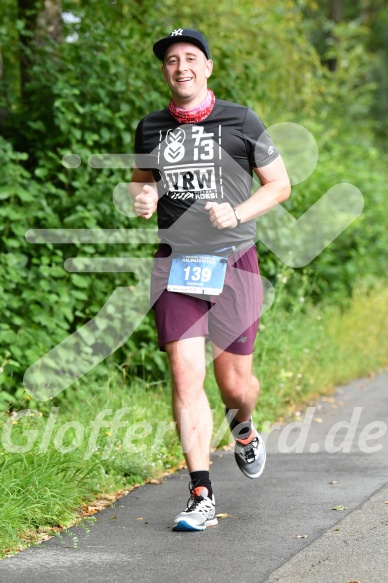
(185, 526)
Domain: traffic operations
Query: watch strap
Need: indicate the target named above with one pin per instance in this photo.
(237, 215)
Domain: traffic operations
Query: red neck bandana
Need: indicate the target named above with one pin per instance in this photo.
(195, 115)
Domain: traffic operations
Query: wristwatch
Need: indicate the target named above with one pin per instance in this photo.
(237, 215)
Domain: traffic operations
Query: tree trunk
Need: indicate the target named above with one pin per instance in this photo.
(336, 10)
(366, 12)
(49, 22)
(335, 15)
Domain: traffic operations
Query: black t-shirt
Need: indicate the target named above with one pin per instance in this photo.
(196, 163)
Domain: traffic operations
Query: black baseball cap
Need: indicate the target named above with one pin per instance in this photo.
(181, 35)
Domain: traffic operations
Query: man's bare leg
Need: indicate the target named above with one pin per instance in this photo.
(190, 404)
(194, 424)
(239, 388)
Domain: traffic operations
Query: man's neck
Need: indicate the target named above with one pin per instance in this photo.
(187, 103)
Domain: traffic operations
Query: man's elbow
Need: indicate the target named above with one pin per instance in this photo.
(285, 192)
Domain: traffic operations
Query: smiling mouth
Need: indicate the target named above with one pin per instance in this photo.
(184, 80)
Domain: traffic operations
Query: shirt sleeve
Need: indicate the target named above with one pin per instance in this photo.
(145, 158)
(261, 149)
(139, 147)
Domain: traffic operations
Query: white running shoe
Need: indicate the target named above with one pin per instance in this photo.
(200, 512)
(250, 455)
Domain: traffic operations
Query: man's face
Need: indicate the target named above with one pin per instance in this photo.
(186, 71)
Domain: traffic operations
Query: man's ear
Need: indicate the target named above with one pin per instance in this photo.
(163, 71)
(209, 68)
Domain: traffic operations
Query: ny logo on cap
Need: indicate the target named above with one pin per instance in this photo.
(177, 32)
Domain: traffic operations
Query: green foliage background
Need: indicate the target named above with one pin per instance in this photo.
(86, 97)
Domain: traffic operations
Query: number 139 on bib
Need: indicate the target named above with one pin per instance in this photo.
(199, 274)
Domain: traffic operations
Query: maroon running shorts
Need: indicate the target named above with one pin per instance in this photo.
(230, 320)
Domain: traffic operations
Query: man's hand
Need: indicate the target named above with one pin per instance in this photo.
(146, 202)
(221, 215)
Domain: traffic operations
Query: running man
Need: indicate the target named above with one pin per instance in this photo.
(205, 284)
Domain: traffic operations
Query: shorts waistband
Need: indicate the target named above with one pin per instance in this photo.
(223, 251)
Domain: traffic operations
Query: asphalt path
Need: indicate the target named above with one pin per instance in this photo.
(280, 528)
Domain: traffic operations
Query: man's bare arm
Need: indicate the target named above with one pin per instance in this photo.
(275, 188)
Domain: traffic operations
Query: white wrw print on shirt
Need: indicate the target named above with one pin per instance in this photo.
(190, 180)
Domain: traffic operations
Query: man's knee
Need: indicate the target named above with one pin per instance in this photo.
(238, 386)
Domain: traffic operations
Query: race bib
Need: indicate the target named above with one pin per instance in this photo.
(197, 274)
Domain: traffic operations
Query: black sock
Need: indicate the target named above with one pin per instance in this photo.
(202, 478)
(239, 429)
